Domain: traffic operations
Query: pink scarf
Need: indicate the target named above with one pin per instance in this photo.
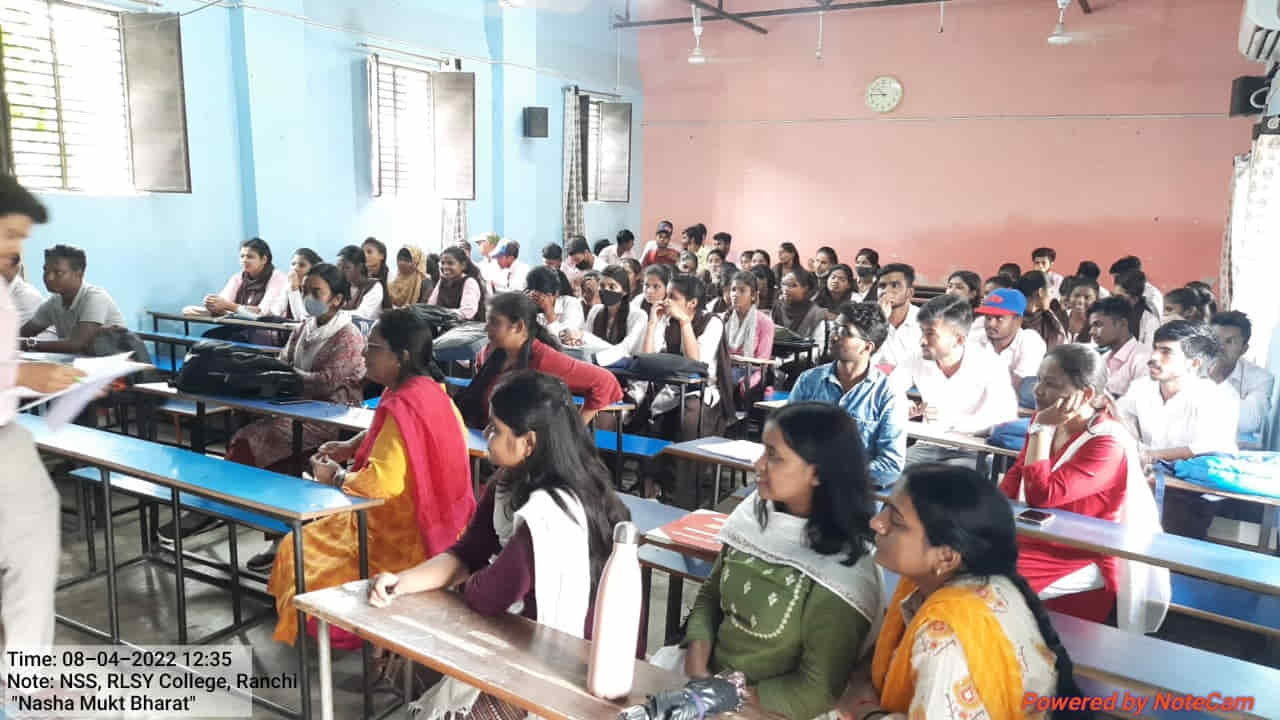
(438, 459)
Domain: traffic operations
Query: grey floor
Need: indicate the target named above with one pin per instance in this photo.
(147, 597)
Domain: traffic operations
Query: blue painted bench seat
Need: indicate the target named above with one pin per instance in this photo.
(634, 445)
(150, 491)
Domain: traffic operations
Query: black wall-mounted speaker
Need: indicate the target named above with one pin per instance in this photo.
(535, 122)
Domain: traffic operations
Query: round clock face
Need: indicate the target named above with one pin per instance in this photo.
(884, 93)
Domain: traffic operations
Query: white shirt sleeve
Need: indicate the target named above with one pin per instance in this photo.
(709, 343)
(1127, 409)
(1255, 397)
(297, 308)
(1214, 421)
(999, 404)
(1030, 354)
(568, 315)
(371, 304)
(469, 305)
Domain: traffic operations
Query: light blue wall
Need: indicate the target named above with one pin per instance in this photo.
(279, 145)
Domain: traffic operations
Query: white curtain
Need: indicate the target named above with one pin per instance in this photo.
(453, 213)
(574, 221)
(1253, 249)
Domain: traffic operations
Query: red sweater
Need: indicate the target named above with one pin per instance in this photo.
(597, 386)
(1091, 483)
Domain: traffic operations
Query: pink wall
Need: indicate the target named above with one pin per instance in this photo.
(1002, 143)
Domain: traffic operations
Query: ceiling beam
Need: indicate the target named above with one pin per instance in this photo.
(621, 22)
(719, 10)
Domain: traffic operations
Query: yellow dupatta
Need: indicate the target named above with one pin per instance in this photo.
(993, 664)
(405, 289)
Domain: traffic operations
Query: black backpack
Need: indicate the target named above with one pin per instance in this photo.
(218, 368)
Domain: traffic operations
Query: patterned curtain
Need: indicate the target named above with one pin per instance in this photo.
(1235, 218)
(574, 221)
(453, 213)
(1254, 251)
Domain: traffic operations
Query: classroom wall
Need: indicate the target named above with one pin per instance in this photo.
(276, 106)
(1002, 143)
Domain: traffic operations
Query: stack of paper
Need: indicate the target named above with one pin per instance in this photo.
(99, 373)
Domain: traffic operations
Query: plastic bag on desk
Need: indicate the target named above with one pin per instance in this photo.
(696, 700)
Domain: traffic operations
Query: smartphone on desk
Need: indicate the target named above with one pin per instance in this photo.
(1038, 518)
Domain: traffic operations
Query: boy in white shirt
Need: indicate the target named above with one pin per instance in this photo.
(1022, 350)
(26, 298)
(507, 274)
(896, 286)
(1177, 413)
(963, 387)
(624, 246)
(1252, 385)
(1129, 263)
(1125, 357)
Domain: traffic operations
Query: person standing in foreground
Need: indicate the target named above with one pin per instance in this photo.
(28, 501)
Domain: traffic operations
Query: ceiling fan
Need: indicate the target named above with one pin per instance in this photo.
(1061, 36)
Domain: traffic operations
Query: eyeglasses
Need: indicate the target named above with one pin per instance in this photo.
(845, 330)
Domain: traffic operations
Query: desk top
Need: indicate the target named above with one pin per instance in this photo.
(747, 360)
(211, 320)
(344, 417)
(1111, 655)
(531, 666)
(180, 339)
(938, 436)
(1179, 483)
(694, 450)
(280, 496)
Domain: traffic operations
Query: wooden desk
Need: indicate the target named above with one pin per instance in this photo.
(695, 450)
(937, 436)
(534, 667)
(289, 499)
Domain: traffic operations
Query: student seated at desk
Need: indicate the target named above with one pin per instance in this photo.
(659, 251)
(299, 265)
(795, 309)
(995, 282)
(518, 341)
(838, 290)
(589, 290)
(1079, 458)
(1149, 292)
(365, 301)
(1144, 318)
(1188, 304)
(76, 310)
(748, 330)
(1252, 384)
(1021, 349)
(258, 289)
(794, 600)
(558, 309)
(895, 288)
(1125, 357)
(967, 284)
(578, 261)
(414, 456)
(1177, 413)
(653, 290)
(1089, 269)
(965, 635)
(1083, 294)
(327, 352)
(461, 289)
(1044, 314)
(823, 260)
(677, 325)
(853, 384)
(25, 297)
(623, 247)
(1042, 260)
(768, 285)
(412, 284)
(613, 328)
(963, 387)
(788, 259)
(375, 265)
(540, 537)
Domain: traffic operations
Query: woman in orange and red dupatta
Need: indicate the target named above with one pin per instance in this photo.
(414, 457)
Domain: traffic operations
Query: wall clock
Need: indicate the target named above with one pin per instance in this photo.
(884, 93)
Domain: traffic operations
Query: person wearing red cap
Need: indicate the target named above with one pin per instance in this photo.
(1021, 349)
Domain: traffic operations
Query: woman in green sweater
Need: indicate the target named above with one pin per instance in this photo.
(794, 600)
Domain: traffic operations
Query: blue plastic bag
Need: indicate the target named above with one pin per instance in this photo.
(1245, 472)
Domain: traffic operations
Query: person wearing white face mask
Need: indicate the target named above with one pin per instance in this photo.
(327, 352)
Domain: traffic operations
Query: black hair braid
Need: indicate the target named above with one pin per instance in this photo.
(1067, 686)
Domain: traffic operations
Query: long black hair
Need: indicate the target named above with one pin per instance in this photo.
(972, 281)
(381, 275)
(548, 281)
(259, 246)
(1193, 300)
(469, 269)
(516, 307)
(408, 334)
(564, 456)
(965, 511)
(311, 256)
(1134, 283)
(827, 438)
(334, 278)
(600, 327)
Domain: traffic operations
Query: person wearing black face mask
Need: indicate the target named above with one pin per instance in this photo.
(866, 289)
(579, 260)
(613, 330)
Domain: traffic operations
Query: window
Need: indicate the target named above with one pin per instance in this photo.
(64, 80)
(403, 149)
(422, 128)
(94, 98)
(606, 143)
